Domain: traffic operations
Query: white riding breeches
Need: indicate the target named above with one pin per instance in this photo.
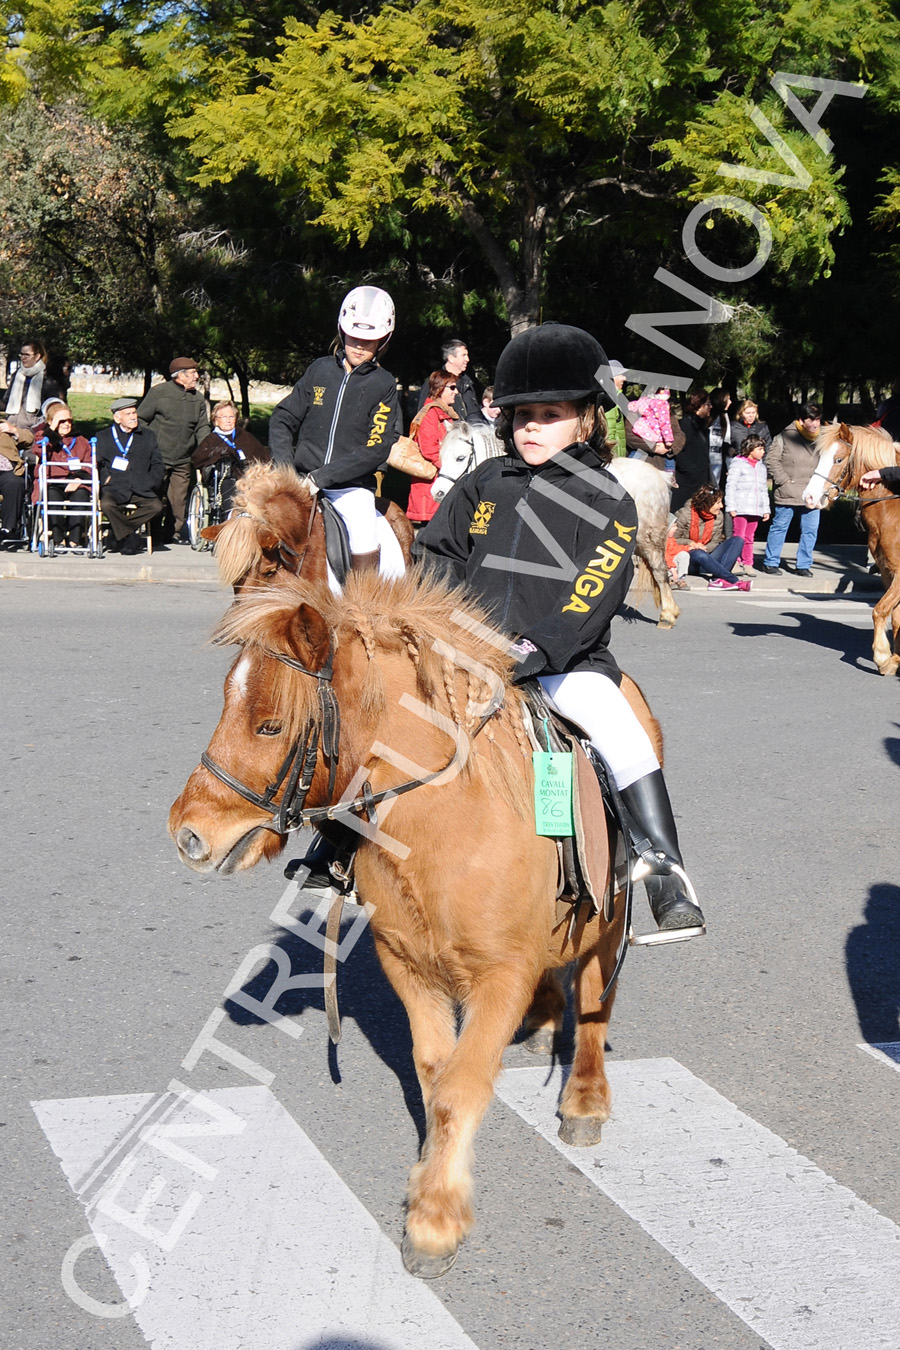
(599, 706)
(356, 507)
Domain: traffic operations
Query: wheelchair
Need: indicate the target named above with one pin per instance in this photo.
(208, 503)
(45, 512)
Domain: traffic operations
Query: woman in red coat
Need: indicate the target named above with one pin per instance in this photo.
(428, 431)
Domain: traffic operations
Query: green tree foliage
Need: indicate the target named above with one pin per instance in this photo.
(91, 233)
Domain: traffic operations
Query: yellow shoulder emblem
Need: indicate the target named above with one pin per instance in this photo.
(482, 517)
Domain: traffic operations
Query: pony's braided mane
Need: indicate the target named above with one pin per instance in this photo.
(873, 447)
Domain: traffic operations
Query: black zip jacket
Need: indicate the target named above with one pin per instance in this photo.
(337, 425)
(144, 475)
(547, 550)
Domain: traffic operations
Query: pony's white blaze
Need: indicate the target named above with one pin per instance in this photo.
(814, 494)
(239, 676)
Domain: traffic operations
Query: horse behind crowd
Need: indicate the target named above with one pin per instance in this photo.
(846, 454)
(465, 446)
(360, 690)
(276, 524)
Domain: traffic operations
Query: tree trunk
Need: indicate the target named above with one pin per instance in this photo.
(148, 376)
(243, 378)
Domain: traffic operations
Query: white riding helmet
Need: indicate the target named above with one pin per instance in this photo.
(367, 312)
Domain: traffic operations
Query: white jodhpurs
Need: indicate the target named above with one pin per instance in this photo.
(599, 706)
(356, 507)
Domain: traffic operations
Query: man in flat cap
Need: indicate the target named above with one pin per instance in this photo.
(130, 468)
(176, 413)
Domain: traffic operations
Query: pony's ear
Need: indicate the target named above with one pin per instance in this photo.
(309, 637)
(268, 539)
(211, 532)
(846, 434)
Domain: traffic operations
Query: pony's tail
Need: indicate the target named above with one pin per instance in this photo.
(237, 548)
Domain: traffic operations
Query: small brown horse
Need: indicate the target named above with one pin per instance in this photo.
(276, 525)
(846, 454)
(463, 888)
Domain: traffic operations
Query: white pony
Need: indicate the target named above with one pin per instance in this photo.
(465, 446)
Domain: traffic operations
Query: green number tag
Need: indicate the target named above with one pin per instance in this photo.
(553, 793)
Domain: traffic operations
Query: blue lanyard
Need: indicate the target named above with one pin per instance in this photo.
(123, 453)
(229, 440)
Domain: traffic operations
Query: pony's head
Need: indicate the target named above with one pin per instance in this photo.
(463, 448)
(845, 454)
(413, 673)
(268, 530)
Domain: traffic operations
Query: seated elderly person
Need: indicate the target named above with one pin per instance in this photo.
(131, 472)
(15, 442)
(229, 445)
(68, 469)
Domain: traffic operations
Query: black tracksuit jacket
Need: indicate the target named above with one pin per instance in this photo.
(547, 550)
(337, 425)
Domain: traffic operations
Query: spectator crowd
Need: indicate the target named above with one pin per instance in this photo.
(720, 459)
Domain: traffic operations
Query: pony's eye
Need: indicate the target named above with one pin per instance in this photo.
(269, 729)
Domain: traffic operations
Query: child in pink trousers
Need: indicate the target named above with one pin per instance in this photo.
(747, 494)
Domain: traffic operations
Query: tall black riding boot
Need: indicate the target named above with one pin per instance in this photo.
(648, 803)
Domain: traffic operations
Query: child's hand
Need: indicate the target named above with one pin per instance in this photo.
(766, 516)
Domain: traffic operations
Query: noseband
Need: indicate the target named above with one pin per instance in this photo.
(298, 767)
(299, 764)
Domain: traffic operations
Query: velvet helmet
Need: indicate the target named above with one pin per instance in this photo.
(551, 364)
(367, 312)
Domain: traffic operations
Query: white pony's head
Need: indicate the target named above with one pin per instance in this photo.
(464, 447)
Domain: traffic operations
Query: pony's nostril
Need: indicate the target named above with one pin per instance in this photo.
(192, 845)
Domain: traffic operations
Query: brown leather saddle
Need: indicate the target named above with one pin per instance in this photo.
(593, 861)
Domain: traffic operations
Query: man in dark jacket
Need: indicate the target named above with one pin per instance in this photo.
(467, 404)
(130, 468)
(791, 461)
(176, 413)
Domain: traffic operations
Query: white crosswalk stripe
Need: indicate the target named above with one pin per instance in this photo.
(277, 1253)
(795, 1255)
(259, 1243)
(886, 1052)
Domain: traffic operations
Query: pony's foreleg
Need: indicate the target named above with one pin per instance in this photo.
(586, 1100)
(886, 662)
(432, 1019)
(439, 1213)
(544, 1019)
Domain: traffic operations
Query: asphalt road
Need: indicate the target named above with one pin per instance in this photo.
(783, 752)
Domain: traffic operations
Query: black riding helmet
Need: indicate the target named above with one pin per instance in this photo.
(551, 364)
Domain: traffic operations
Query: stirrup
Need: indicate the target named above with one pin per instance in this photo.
(651, 863)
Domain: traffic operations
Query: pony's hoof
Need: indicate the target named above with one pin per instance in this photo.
(670, 623)
(422, 1264)
(580, 1131)
(540, 1042)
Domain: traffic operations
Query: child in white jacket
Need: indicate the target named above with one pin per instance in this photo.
(747, 494)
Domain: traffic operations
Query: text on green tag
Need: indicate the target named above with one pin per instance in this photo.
(553, 793)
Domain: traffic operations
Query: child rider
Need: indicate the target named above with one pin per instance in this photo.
(340, 420)
(544, 537)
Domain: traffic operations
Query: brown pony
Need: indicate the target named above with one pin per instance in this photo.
(463, 889)
(846, 454)
(276, 525)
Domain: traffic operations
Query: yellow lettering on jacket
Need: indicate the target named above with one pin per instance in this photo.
(606, 559)
(319, 394)
(379, 425)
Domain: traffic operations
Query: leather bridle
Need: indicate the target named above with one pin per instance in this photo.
(297, 770)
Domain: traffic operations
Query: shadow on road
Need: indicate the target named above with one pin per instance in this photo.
(892, 746)
(872, 956)
(364, 995)
(854, 644)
